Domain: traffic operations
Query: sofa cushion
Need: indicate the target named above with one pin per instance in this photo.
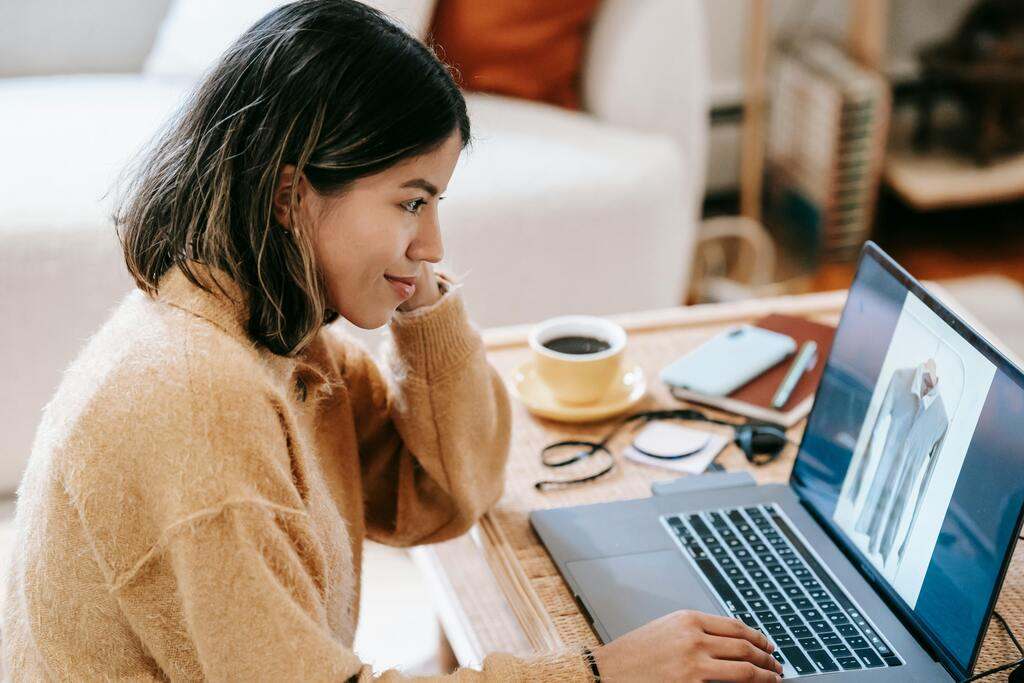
(71, 136)
(195, 32)
(530, 49)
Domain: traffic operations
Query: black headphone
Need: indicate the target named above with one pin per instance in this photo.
(761, 443)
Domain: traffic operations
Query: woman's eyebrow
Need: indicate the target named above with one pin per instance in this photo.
(422, 184)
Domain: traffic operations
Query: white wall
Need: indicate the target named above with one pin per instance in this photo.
(912, 23)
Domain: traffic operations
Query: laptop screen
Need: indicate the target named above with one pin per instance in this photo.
(913, 457)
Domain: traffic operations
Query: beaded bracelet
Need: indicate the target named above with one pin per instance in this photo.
(589, 658)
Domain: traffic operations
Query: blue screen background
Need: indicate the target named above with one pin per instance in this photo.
(981, 521)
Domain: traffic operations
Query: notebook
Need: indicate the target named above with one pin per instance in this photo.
(754, 398)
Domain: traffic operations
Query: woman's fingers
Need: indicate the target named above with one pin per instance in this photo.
(743, 672)
(736, 649)
(733, 628)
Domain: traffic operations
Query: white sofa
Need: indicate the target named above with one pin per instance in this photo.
(551, 211)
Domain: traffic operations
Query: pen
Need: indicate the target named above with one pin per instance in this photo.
(802, 363)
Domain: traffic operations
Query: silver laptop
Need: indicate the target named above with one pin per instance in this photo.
(883, 556)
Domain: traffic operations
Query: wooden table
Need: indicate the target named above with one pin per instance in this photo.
(496, 589)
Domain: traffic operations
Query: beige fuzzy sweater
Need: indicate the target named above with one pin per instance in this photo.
(195, 506)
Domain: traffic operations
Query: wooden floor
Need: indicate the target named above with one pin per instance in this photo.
(943, 244)
(936, 245)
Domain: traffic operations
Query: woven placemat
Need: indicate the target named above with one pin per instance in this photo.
(539, 597)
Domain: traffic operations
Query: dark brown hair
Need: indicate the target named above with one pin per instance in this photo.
(331, 86)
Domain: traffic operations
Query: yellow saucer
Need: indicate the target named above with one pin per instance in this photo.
(623, 394)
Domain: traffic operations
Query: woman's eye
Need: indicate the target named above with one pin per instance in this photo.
(414, 206)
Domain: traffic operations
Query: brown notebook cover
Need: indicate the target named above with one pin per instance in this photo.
(754, 398)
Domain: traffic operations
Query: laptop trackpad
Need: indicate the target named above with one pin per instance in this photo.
(627, 591)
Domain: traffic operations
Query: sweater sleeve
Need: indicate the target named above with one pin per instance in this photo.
(237, 589)
(433, 426)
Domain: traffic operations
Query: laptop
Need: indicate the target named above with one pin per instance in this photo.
(883, 556)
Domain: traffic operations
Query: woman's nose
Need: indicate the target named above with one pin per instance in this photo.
(427, 246)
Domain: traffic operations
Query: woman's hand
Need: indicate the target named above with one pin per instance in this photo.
(427, 291)
(689, 646)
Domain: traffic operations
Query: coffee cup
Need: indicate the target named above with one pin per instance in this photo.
(577, 356)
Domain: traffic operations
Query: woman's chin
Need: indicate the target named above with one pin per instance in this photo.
(370, 321)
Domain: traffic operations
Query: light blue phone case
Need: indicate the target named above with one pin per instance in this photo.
(729, 360)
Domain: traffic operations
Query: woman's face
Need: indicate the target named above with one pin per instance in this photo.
(384, 224)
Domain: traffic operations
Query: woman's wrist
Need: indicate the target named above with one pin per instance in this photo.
(590, 659)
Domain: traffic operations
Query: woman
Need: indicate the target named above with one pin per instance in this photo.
(202, 482)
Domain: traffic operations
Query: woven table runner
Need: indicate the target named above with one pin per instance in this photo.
(542, 602)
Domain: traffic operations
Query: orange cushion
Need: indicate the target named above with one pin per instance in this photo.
(524, 48)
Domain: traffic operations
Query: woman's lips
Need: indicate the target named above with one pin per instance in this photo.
(404, 287)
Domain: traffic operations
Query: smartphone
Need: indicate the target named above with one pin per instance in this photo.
(728, 360)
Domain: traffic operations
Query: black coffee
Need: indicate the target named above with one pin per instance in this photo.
(577, 345)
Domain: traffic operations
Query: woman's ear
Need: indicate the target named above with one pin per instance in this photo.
(283, 196)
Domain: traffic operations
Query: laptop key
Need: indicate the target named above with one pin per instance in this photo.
(828, 606)
(809, 644)
(775, 597)
(750, 594)
(821, 626)
(774, 628)
(698, 525)
(838, 619)
(696, 552)
(802, 603)
(811, 615)
(819, 594)
(830, 639)
(766, 616)
(720, 585)
(747, 618)
(783, 639)
(849, 631)
(856, 642)
(839, 651)
(767, 585)
(849, 663)
(822, 660)
(792, 620)
(777, 570)
(758, 605)
(784, 608)
(750, 564)
(793, 591)
(797, 660)
(801, 631)
(869, 658)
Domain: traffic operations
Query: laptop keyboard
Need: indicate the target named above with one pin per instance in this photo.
(764, 575)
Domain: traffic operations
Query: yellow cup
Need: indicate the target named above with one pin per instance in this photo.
(584, 377)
